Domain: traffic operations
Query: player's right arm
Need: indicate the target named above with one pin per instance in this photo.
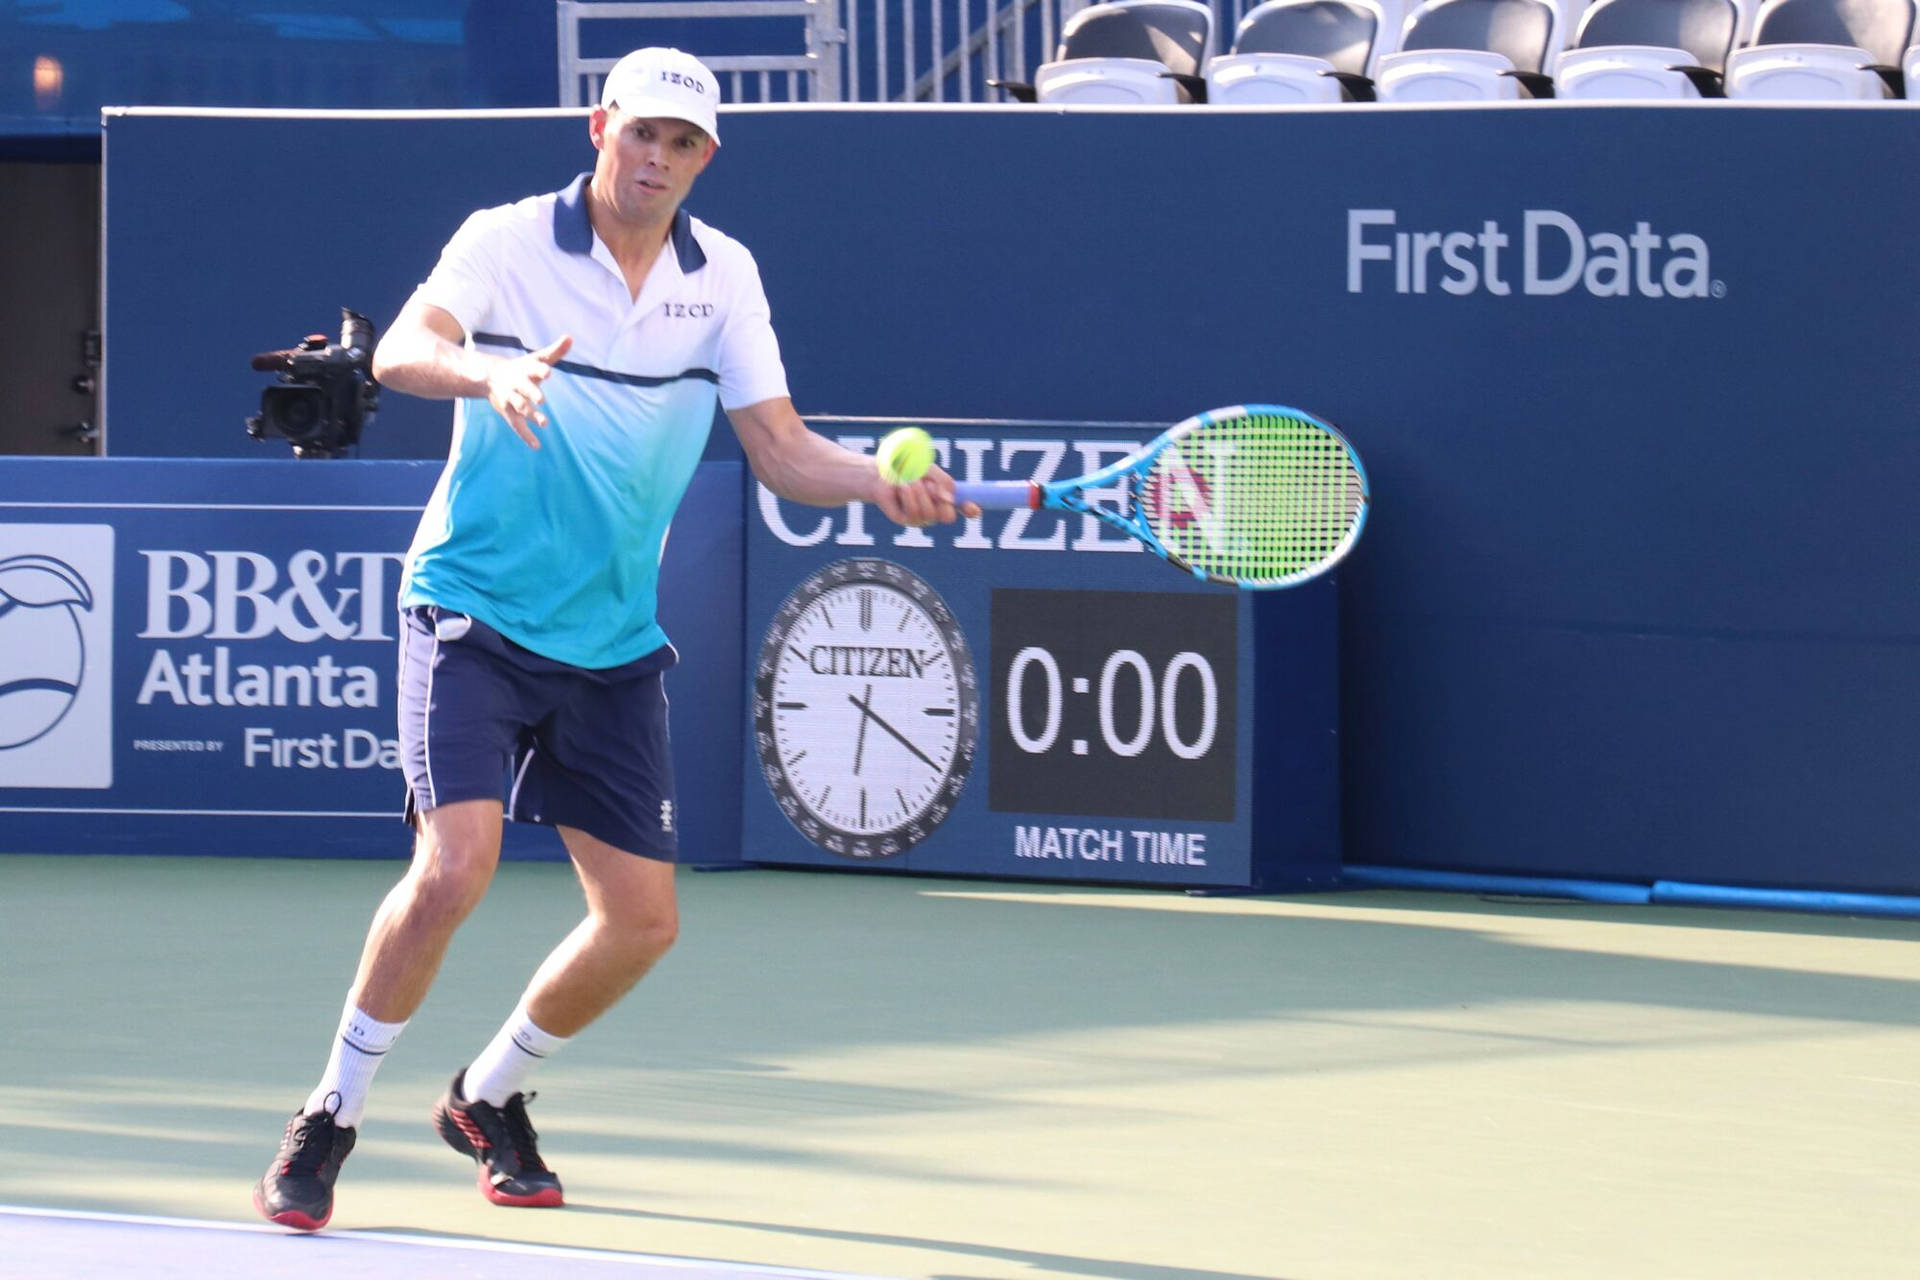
(424, 353)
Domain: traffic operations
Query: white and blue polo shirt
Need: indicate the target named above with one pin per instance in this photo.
(559, 548)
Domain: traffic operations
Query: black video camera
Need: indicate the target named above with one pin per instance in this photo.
(326, 392)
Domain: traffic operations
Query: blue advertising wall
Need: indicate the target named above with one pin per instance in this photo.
(1638, 595)
(199, 657)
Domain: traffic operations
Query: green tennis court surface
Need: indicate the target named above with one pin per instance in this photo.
(880, 1076)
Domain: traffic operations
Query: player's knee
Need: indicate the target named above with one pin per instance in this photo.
(446, 894)
(648, 932)
(663, 935)
(449, 878)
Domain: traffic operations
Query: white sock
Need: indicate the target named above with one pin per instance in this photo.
(503, 1066)
(358, 1050)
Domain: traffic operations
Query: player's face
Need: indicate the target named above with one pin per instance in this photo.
(647, 165)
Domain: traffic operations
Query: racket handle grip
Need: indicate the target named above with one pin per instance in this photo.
(998, 495)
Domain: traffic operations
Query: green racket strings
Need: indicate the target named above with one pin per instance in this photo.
(1258, 498)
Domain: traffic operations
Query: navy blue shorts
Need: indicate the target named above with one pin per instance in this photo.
(482, 718)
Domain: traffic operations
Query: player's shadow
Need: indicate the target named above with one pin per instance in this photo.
(1065, 1264)
(845, 961)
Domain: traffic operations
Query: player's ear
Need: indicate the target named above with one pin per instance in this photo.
(597, 125)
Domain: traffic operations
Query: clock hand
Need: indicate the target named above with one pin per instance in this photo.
(860, 743)
(898, 737)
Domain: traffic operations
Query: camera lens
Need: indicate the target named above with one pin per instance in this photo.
(298, 413)
(298, 418)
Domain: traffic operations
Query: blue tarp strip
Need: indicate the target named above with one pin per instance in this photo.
(1679, 893)
(1477, 882)
(1669, 892)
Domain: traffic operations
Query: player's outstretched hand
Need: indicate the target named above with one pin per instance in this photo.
(928, 500)
(513, 388)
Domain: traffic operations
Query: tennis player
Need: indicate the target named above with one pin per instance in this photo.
(585, 336)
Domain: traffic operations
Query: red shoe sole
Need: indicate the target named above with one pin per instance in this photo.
(547, 1199)
(291, 1217)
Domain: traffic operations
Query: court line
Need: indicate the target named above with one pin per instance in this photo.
(211, 813)
(1045, 424)
(441, 1242)
(221, 506)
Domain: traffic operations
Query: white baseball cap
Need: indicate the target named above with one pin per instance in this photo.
(665, 83)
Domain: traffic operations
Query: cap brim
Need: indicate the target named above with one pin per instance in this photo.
(662, 109)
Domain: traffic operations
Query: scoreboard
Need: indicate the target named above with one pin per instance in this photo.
(1029, 694)
(1110, 702)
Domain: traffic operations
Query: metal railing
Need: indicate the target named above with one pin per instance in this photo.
(856, 50)
(812, 75)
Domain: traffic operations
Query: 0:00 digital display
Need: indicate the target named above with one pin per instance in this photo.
(1114, 703)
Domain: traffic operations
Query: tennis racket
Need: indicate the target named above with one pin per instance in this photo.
(1254, 496)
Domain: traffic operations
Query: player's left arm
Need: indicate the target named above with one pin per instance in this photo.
(801, 465)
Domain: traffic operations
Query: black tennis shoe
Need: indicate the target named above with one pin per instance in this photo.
(502, 1143)
(297, 1188)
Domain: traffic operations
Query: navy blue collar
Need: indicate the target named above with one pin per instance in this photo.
(573, 229)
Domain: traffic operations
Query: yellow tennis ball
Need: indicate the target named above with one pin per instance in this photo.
(904, 455)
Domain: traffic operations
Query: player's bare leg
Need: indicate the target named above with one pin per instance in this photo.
(454, 858)
(632, 919)
(455, 854)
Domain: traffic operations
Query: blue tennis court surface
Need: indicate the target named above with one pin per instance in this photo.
(53, 1244)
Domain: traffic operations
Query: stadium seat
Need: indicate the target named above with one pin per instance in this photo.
(1824, 50)
(1472, 51)
(1707, 30)
(1630, 72)
(1131, 81)
(1125, 51)
(1571, 13)
(1749, 10)
(1649, 49)
(1299, 51)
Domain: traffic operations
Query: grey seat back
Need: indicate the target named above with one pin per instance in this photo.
(1520, 30)
(1339, 32)
(1881, 27)
(1704, 28)
(1169, 33)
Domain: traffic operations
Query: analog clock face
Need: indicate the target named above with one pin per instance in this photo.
(866, 708)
